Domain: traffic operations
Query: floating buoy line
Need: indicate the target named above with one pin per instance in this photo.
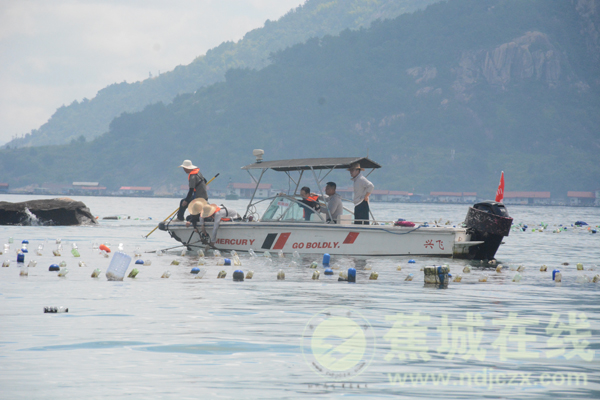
(133, 265)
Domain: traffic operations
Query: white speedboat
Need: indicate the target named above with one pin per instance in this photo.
(284, 225)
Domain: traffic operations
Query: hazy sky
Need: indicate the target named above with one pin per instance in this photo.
(55, 51)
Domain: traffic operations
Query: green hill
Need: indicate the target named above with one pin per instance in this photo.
(316, 18)
(444, 99)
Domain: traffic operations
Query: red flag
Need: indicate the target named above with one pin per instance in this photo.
(500, 192)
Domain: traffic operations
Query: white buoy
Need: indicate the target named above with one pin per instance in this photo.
(314, 264)
(32, 264)
(216, 253)
(6, 263)
(409, 277)
(201, 253)
(579, 267)
(96, 273)
(252, 253)
(596, 278)
(81, 264)
(266, 254)
(521, 268)
(280, 275)
(166, 274)
(517, 277)
(63, 272)
(457, 278)
(467, 269)
(175, 262)
(221, 275)
(280, 254)
(558, 277)
(315, 275)
(543, 268)
(201, 261)
(583, 279)
(398, 268)
(249, 274)
(374, 275)
(483, 278)
(499, 269)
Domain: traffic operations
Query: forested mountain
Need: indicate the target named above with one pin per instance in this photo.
(316, 18)
(444, 99)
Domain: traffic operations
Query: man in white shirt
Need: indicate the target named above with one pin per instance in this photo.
(362, 190)
(334, 203)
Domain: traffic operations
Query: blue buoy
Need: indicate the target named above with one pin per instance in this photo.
(328, 271)
(20, 257)
(25, 241)
(594, 231)
(449, 275)
(54, 267)
(227, 261)
(554, 273)
(238, 275)
(194, 270)
(326, 258)
(139, 261)
(351, 275)
(24, 250)
(411, 261)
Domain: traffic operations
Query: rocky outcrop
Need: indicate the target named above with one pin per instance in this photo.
(529, 57)
(61, 211)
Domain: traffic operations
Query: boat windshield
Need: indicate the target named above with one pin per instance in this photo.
(288, 209)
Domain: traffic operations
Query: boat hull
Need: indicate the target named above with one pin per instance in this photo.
(348, 240)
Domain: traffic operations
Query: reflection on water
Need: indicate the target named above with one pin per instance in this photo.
(184, 337)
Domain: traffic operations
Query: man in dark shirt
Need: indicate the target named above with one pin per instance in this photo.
(197, 184)
(310, 199)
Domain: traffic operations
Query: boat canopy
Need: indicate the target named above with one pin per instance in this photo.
(307, 164)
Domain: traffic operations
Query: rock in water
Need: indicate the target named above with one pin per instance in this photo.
(61, 211)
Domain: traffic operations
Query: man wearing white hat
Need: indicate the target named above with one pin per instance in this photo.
(362, 190)
(197, 184)
(201, 211)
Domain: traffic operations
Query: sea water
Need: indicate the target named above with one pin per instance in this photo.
(184, 337)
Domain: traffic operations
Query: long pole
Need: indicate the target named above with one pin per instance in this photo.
(173, 213)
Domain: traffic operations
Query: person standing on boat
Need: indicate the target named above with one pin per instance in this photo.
(197, 185)
(362, 190)
(333, 201)
(201, 212)
(310, 199)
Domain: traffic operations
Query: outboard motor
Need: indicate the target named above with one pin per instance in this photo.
(487, 221)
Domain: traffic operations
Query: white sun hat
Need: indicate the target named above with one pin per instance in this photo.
(187, 164)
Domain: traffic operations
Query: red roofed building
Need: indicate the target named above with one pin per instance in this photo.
(581, 198)
(446, 197)
(526, 198)
(245, 190)
(136, 191)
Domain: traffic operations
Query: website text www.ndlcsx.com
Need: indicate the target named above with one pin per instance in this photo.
(488, 378)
